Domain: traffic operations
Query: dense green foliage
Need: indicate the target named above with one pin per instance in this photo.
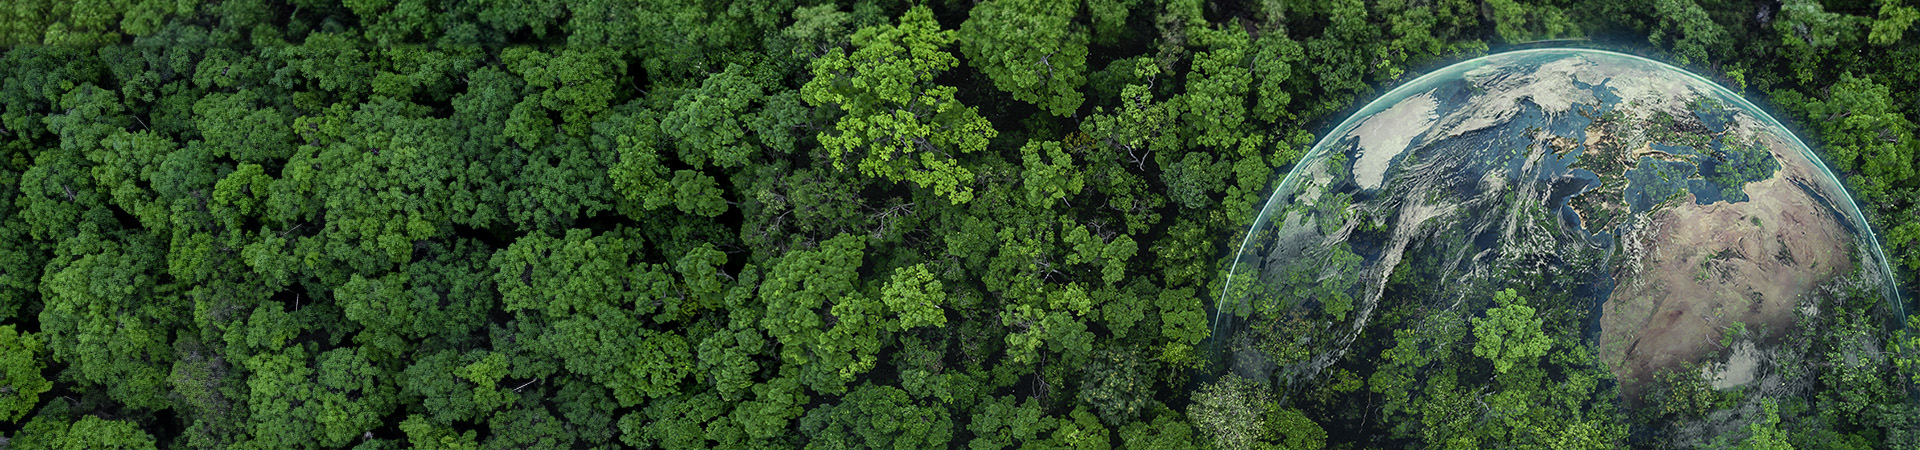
(780, 224)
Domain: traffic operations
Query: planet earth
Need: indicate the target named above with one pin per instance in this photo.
(1675, 232)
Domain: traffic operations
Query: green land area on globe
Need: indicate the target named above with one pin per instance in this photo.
(1543, 245)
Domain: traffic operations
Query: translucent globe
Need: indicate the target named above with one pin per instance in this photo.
(1658, 219)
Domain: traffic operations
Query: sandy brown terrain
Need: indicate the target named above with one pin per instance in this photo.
(1704, 267)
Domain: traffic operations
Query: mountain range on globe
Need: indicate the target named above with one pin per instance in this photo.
(1547, 245)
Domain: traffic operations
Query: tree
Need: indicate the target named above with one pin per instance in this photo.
(452, 294)
(280, 391)
(828, 327)
(234, 126)
(84, 24)
(423, 435)
(1856, 122)
(1517, 23)
(1893, 23)
(351, 396)
(1685, 28)
(18, 288)
(128, 166)
(394, 22)
(379, 177)
(87, 433)
(1510, 335)
(676, 423)
(1230, 411)
(731, 118)
(1050, 325)
(557, 183)
(899, 124)
(381, 306)
(454, 387)
(1118, 384)
(1215, 102)
(1183, 319)
(1108, 253)
(1764, 434)
(638, 172)
(1166, 431)
(916, 297)
(776, 403)
(1275, 59)
(528, 425)
(707, 123)
(1905, 349)
(108, 318)
(1814, 37)
(20, 379)
(1049, 173)
(697, 193)
(1002, 422)
(1547, 394)
(1031, 49)
(1292, 430)
(728, 357)
(1138, 125)
(335, 62)
(57, 192)
(575, 82)
(590, 304)
(1341, 57)
(872, 416)
(1080, 430)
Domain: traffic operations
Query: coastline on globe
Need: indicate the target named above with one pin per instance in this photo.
(1561, 243)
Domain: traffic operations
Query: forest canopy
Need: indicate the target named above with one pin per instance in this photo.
(759, 223)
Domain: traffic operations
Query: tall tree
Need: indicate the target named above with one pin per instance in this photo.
(20, 379)
(899, 125)
(1031, 49)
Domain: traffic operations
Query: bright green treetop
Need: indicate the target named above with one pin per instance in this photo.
(899, 124)
(1510, 335)
(1031, 49)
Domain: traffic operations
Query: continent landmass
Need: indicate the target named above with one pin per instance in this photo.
(1696, 270)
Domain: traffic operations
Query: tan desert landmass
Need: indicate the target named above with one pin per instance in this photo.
(1707, 266)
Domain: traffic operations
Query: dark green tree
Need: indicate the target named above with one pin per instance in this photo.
(1031, 49)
